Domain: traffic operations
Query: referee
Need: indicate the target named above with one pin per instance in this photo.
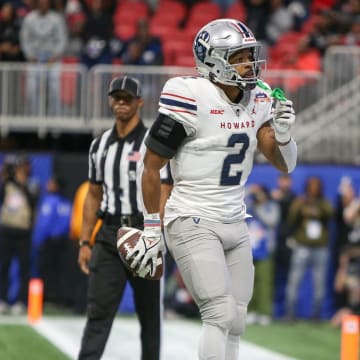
(114, 196)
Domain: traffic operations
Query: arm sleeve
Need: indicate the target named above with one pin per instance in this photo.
(165, 137)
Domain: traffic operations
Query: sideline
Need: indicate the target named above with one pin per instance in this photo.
(180, 339)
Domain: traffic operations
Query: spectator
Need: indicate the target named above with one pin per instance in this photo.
(257, 15)
(324, 34)
(352, 37)
(345, 12)
(262, 228)
(75, 20)
(10, 50)
(347, 278)
(43, 39)
(9, 34)
(23, 7)
(284, 196)
(143, 48)
(300, 10)
(345, 197)
(51, 238)
(280, 21)
(309, 216)
(97, 34)
(224, 5)
(16, 216)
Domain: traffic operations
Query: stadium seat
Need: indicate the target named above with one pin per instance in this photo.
(174, 49)
(203, 7)
(286, 46)
(282, 52)
(124, 18)
(309, 61)
(200, 14)
(184, 60)
(139, 7)
(125, 31)
(290, 37)
(171, 38)
(117, 61)
(160, 30)
(236, 11)
(319, 5)
(308, 25)
(167, 33)
(70, 59)
(169, 12)
(130, 12)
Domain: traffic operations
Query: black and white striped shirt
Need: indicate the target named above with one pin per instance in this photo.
(116, 163)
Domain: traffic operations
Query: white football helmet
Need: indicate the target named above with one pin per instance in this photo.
(216, 42)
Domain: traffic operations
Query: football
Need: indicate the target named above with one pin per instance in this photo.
(127, 238)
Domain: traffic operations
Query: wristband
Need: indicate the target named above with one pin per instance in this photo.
(152, 219)
(152, 224)
(84, 243)
(289, 153)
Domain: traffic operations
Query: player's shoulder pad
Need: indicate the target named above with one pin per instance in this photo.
(180, 82)
(183, 90)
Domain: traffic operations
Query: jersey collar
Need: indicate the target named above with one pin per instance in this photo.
(129, 137)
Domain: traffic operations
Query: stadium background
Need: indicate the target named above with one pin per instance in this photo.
(325, 88)
(74, 168)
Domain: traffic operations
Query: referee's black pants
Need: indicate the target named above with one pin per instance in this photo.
(107, 280)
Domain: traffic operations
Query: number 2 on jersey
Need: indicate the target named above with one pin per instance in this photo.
(226, 178)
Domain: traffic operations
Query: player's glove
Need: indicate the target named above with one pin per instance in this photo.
(149, 245)
(283, 119)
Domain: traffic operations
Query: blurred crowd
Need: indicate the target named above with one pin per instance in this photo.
(293, 234)
(296, 33)
(36, 228)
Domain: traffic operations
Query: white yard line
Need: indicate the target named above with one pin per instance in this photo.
(180, 338)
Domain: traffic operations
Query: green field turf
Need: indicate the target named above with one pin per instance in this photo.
(303, 341)
(21, 342)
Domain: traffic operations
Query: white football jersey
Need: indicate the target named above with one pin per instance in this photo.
(211, 167)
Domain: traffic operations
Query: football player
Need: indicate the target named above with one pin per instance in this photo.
(210, 127)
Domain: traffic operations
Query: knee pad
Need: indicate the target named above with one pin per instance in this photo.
(239, 323)
(220, 311)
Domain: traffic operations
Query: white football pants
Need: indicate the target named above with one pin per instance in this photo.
(215, 262)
